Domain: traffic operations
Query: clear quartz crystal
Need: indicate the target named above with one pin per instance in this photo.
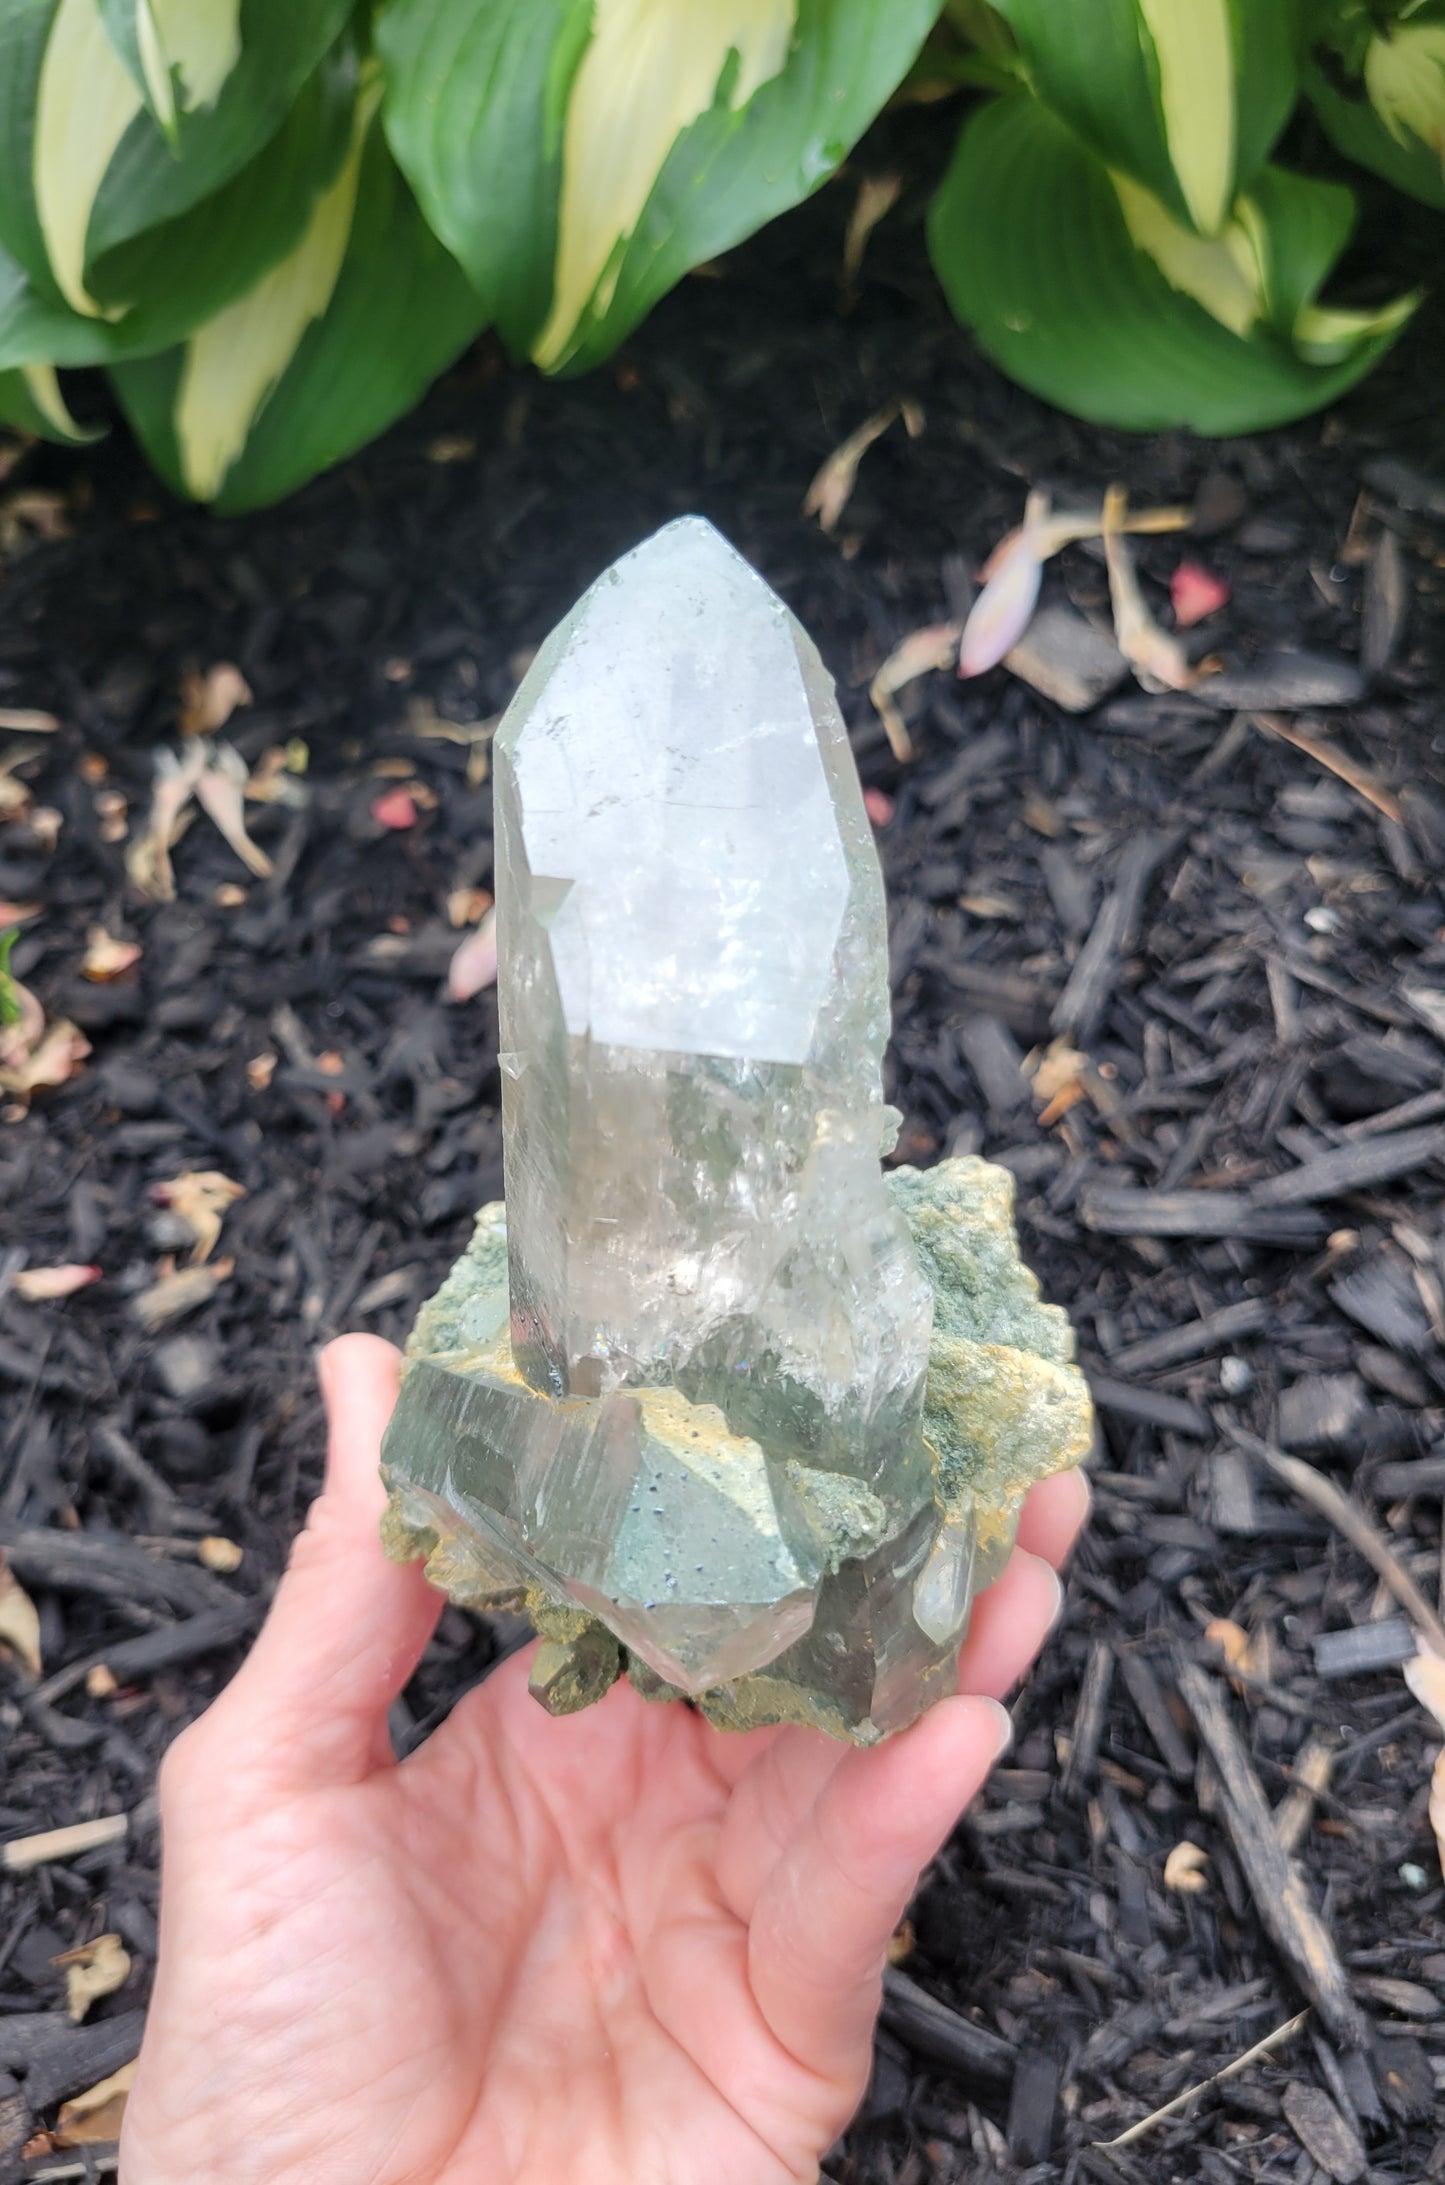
(694, 1004)
(681, 1387)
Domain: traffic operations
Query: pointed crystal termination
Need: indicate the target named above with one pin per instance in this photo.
(694, 1005)
(683, 1397)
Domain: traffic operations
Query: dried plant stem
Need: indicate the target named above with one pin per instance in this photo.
(1266, 2047)
(1347, 1517)
(1335, 762)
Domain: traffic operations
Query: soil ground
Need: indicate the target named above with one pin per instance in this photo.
(1246, 952)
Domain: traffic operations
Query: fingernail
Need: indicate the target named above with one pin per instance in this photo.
(1056, 1584)
(1058, 1608)
(1003, 1727)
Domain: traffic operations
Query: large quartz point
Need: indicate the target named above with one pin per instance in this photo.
(725, 1405)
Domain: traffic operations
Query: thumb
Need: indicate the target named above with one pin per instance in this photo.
(347, 1627)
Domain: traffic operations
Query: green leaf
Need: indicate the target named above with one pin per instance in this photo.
(30, 398)
(175, 274)
(81, 156)
(9, 1006)
(24, 29)
(473, 110)
(148, 181)
(400, 311)
(188, 269)
(1032, 247)
(132, 30)
(1354, 127)
(580, 156)
(737, 167)
(1300, 225)
(1149, 87)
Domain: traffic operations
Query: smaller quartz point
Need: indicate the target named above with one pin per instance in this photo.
(725, 1405)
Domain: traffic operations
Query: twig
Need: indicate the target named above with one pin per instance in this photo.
(102, 2161)
(1309, 1773)
(1324, 754)
(1266, 2047)
(23, 1852)
(1322, 1494)
(1275, 1882)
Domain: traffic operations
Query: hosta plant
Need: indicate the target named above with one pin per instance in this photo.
(272, 222)
(1114, 226)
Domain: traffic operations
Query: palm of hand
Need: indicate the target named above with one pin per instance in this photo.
(622, 1946)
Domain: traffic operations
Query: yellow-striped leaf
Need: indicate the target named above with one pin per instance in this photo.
(579, 156)
(1185, 96)
(233, 362)
(650, 70)
(400, 309)
(1105, 303)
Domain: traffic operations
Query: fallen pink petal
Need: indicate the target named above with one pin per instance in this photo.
(395, 808)
(474, 966)
(878, 805)
(36, 1284)
(1196, 593)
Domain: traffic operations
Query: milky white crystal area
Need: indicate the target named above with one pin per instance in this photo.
(694, 1004)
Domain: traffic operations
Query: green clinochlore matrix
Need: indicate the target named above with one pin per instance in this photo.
(733, 1411)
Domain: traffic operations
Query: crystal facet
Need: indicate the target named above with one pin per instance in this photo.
(715, 1387)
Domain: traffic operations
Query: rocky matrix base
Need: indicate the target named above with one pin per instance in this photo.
(883, 1617)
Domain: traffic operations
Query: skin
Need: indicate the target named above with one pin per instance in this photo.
(621, 1948)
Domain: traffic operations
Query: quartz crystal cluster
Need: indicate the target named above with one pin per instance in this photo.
(726, 1407)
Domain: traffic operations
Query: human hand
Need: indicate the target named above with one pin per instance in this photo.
(617, 1949)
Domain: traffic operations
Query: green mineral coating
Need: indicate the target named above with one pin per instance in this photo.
(962, 1218)
(554, 1619)
(1003, 1404)
(471, 1306)
(998, 1419)
(848, 1518)
(568, 1675)
(402, 1542)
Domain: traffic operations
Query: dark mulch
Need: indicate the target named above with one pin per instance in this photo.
(1250, 954)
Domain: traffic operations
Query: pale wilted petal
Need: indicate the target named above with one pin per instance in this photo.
(877, 195)
(21, 1024)
(221, 792)
(95, 1969)
(832, 487)
(53, 1062)
(1158, 660)
(920, 653)
(1425, 1676)
(200, 1198)
(180, 1292)
(474, 966)
(93, 2118)
(38, 1284)
(1005, 606)
(209, 700)
(105, 957)
(19, 1621)
(148, 859)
